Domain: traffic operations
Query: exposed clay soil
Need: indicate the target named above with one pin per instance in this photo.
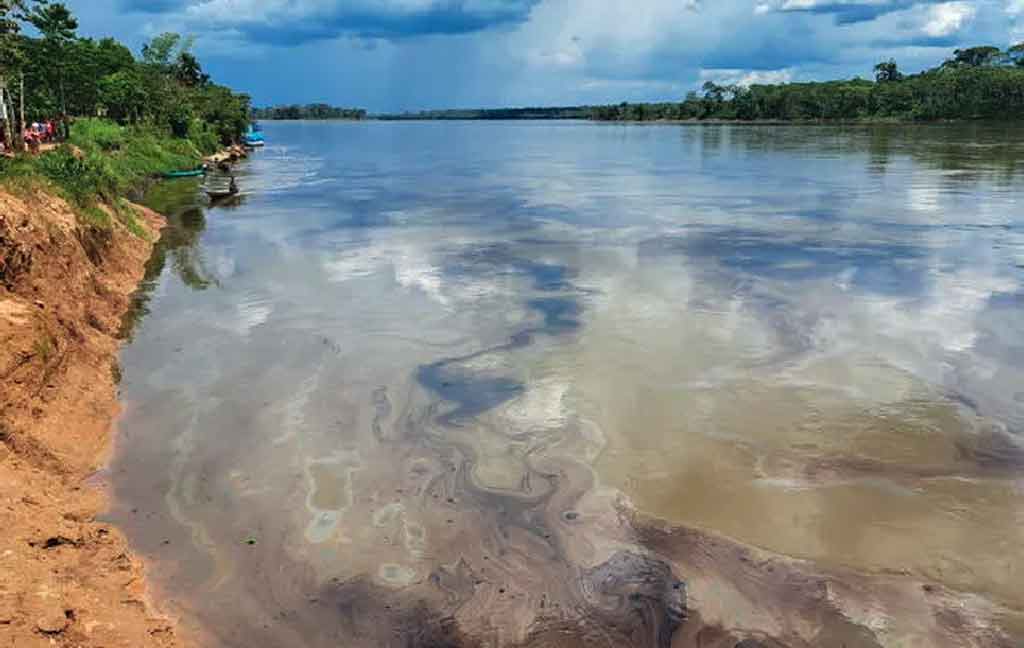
(65, 579)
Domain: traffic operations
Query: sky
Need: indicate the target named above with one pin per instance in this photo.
(396, 55)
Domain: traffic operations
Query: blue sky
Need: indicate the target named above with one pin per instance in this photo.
(390, 55)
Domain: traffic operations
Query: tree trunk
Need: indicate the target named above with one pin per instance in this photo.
(60, 84)
(8, 130)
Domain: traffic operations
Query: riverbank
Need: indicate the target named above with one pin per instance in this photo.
(65, 284)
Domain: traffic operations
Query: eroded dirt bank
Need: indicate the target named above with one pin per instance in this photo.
(65, 579)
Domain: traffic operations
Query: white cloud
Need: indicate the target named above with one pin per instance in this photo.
(948, 18)
(1015, 9)
(746, 78)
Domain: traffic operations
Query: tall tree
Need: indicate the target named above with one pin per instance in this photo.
(887, 72)
(164, 50)
(57, 26)
(188, 71)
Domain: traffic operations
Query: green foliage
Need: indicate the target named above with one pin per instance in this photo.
(122, 95)
(129, 218)
(86, 63)
(206, 138)
(977, 83)
(974, 56)
(54, 21)
(11, 12)
(105, 135)
(131, 119)
(887, 72)
(163, 49)
(1015, 55)
(63, 74)
(226, 113)
(101, 162)
(82, 179)
(188, 71)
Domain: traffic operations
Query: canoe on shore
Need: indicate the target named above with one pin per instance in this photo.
(184, 174)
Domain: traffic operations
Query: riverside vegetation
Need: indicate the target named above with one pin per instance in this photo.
(132, 117)
(975, 83)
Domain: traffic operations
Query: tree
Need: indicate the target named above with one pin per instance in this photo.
(11, 12)
(887, 72)
(713, 91)
(122, 95)
(166, 97)
(54, 21)
(57, 26)
(188, 71)
(164, 50)
(1016, 54)
(973, 56)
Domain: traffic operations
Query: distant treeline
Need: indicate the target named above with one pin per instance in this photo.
(309, 111)
(567, 112)
(976, 83)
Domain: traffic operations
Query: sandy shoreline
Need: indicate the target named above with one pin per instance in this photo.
(65, 579)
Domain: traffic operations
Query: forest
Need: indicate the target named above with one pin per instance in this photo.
(48, 71)
(316, 111)
(975, 83)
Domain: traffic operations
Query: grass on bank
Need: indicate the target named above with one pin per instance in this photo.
(103, 162)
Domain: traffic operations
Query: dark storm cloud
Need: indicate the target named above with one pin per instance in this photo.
(847, 13)
(270, 23)
(440, 19)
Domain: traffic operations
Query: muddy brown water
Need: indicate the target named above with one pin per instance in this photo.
(569, 384)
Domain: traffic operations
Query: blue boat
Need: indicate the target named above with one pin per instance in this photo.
(254, 136)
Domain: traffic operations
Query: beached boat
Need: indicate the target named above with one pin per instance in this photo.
(254, 136)
(192, 173)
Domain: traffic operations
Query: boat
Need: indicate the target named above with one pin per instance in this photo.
(254, 136)
(184, 174)
(219, 186)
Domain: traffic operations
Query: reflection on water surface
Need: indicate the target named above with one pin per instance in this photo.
(496, 384)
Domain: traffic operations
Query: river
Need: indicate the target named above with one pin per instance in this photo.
(567, 384)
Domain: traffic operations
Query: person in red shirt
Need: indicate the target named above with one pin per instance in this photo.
(32, 140)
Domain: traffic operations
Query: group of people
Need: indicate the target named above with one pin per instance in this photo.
(41, 133)
(35, 134)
